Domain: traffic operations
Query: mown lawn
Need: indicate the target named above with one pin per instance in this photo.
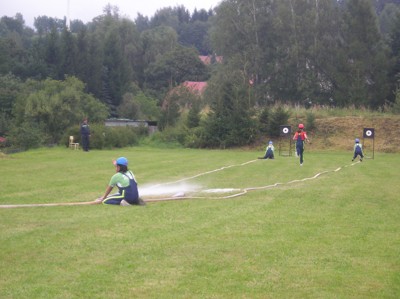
(333, 236)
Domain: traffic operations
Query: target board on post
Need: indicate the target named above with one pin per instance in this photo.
(369, 133)
(285, 131)
(285, 142)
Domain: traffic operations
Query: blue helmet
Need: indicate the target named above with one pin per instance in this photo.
(121, 161)
(270, 142)
(357, 140)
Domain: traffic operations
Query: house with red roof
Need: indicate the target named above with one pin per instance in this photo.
(207, 60)
(195, 87)
(184, 91)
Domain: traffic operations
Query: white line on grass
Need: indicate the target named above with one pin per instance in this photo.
(240, 191)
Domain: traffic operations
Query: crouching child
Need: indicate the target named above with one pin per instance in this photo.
(125, 181)
(269, 151)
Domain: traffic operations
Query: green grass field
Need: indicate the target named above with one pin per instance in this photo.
(334, 236)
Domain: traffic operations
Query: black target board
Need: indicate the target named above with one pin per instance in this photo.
(285, 142)
(369, 133)
(285, 130)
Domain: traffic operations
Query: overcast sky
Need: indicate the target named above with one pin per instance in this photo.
(86, 10)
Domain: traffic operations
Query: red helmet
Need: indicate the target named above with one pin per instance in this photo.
(301, 126)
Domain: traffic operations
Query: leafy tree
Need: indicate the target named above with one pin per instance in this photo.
(77, 26)
(128, 108)
(115, 50)
(192, 30)
(26, 135)
(243, 34)
(306, 36)
(35, 64)
(387, 18)
(10, 86)
(6, 62)
(278, 117)
(396, 105)
(8, 24)
(264, 120)
(394, 70)
(52, 53)
(195, 35)
(228, 124)
(142, 23)
(93, 73)
(68, 54)
(364, 69)
(117, 74)
(157, 41)
(132, 48)
(201, 15)
(148, 106)
(166, 16)
(179, 65)
(15, 40)
(381, 4)
(83, 54)
(170, 113)
(193, 119)
(55, 106)
(5, 124)
(310, 122)
(45, 25)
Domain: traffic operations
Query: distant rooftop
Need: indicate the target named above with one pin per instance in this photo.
(208, 59)
(195, 86)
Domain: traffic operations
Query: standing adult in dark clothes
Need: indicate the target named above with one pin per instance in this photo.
(85, 134)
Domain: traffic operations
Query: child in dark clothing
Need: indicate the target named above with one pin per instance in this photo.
(269, 151)
(358, 151)
(124, 179)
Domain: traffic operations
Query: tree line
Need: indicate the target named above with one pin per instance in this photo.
(300, 52)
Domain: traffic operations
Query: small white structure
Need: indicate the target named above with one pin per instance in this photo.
(119, 122)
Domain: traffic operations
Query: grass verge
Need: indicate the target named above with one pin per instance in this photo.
(335, 236)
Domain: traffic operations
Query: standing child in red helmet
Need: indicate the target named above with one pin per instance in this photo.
(300, 137)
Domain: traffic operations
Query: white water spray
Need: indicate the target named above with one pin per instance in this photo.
(175, 190)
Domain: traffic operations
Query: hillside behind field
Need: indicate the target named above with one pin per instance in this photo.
(338, 133)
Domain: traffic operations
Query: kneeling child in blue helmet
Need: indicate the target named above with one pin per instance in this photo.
(269, 151)
(124, 179)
